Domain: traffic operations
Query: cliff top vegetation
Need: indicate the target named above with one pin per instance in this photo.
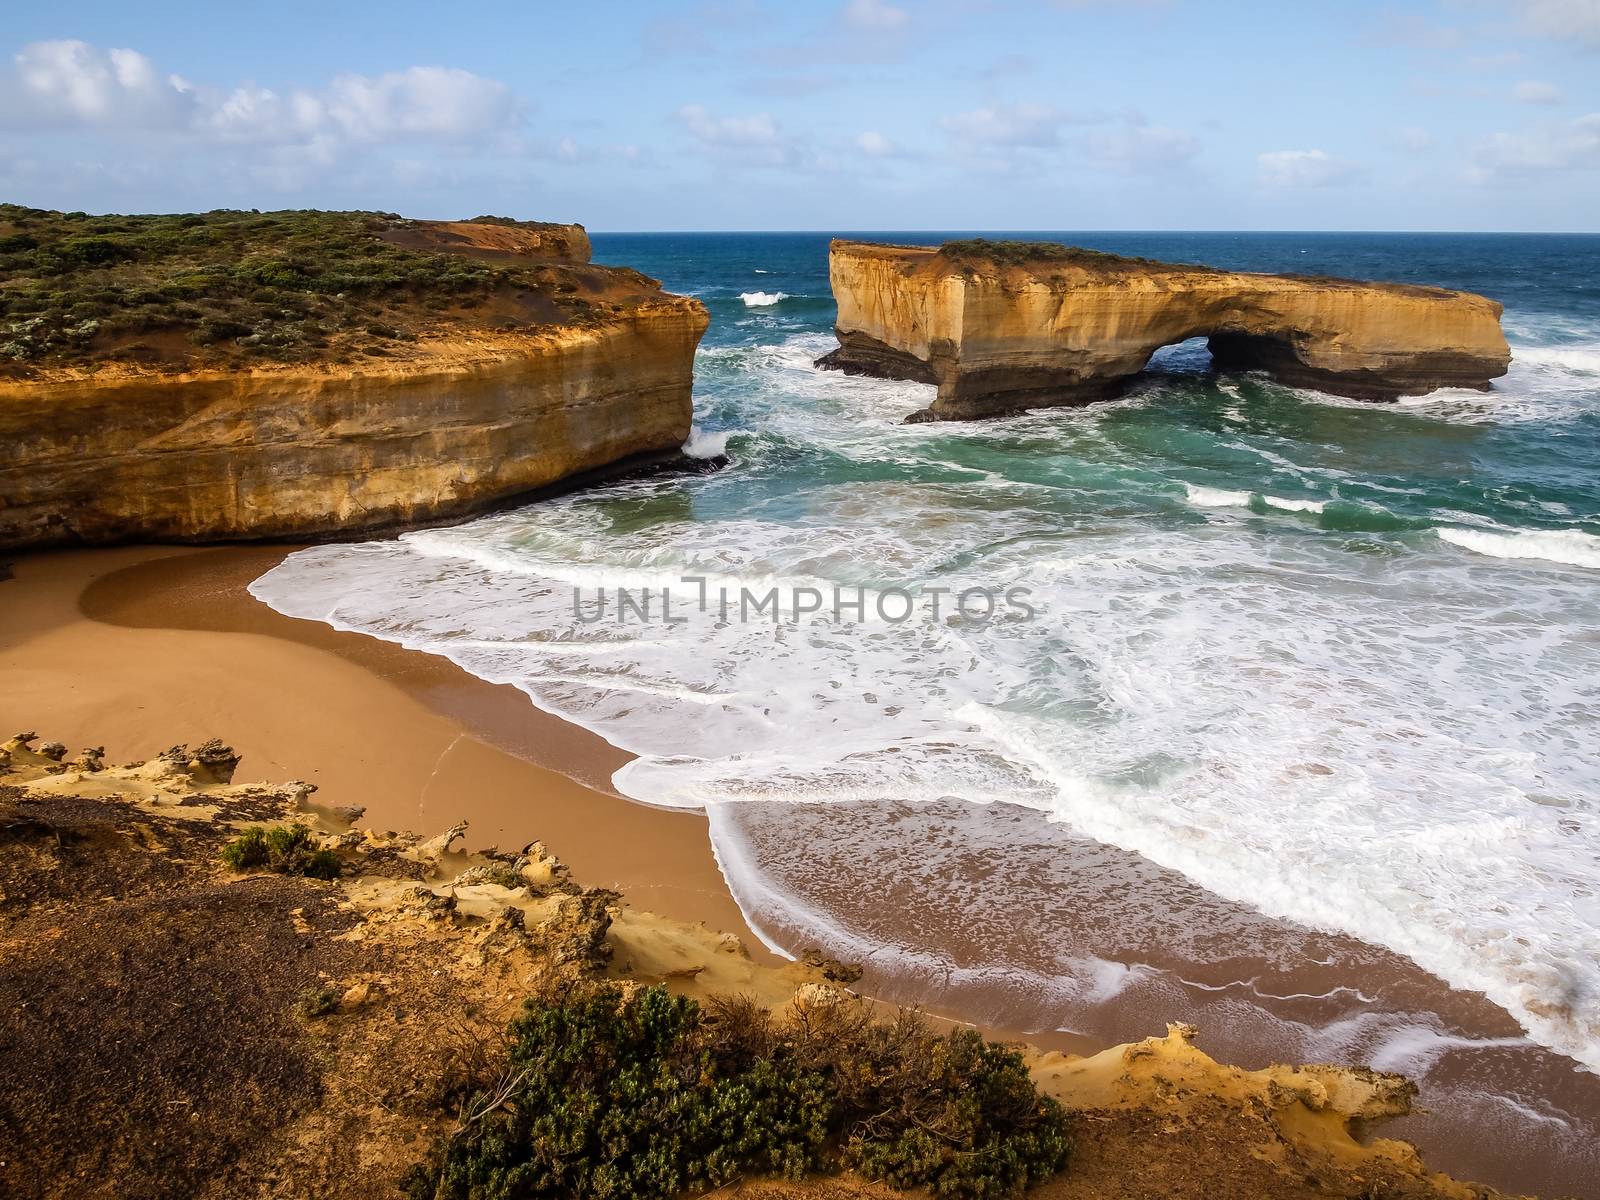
(1007, 253)
(238, 288)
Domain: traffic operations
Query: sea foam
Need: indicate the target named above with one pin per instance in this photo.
(1572, 547)
(708, 444)
(1390, 745)
(762, 299)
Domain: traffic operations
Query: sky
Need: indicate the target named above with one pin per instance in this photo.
(849, 114)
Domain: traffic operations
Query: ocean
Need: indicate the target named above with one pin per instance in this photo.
(1298, 737)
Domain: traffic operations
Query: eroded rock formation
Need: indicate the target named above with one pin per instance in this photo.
(1002, 327)
(437, 428)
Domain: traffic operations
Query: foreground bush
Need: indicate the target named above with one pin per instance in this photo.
(286, 849)
(605, 1095)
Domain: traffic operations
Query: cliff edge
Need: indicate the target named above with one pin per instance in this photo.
(223, 989)
(1005, 326)
(306, 374)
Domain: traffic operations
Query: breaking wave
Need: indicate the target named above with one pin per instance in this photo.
(1570, 546)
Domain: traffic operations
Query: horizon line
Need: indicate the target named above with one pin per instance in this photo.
(834, 231)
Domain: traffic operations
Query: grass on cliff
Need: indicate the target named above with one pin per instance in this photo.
(608, 1094)
(231, 287)
(971, 251)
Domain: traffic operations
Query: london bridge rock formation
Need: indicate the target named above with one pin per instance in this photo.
(304, 374)
(1005, 326)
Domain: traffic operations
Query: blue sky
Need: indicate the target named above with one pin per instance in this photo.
(855, 114)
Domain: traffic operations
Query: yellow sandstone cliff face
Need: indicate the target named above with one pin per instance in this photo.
(453, 426)
(1012, 328)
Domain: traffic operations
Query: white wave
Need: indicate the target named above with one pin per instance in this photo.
(1572, 547)
(762, 299)
(1583, 360)
(1205, 497)
(1414, 1051)
(1310, 506)
(1250, 986)
(703, 444)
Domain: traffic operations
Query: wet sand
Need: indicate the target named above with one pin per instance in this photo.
(134, 648)
(1018, 924)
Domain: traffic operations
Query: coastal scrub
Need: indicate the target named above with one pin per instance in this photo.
(231, 287)
(285, 849)
(608, 1093)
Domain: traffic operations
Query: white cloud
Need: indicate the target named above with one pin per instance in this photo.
(758, 129)
(1413, 138)
(1136, 147)
(1304, 169)
(875, 14)
(419, 102)
(1572, 146)
(755, 140)
(874, 145)
(1023, 134)
(70, 82)
(1531, 91)
(1036, 125)
(1570, 20)
(74, 84)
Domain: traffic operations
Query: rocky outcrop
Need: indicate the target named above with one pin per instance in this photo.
(1001, 326)
(444, 427)
(495, 239)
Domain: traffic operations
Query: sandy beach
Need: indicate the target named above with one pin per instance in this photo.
(133, 647)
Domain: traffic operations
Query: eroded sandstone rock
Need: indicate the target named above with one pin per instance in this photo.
(1003, 327)
(440, 427)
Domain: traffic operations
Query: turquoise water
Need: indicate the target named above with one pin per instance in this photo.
(1310, 681)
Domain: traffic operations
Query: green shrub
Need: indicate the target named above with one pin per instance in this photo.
(286, 849)
(608, 1096)
(96, 251)
(1014, 252)
(218, 329)
(959, 1124)
(1003, 252)
(248, 851)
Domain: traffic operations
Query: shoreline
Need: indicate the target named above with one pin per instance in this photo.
(176, 647)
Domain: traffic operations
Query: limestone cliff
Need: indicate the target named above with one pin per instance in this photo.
(425, 396)
(1001, 327)
(306, 451)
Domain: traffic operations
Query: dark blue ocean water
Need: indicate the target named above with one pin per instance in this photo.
(1303, 743)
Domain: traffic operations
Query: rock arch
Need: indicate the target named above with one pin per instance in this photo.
(1002, 327)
